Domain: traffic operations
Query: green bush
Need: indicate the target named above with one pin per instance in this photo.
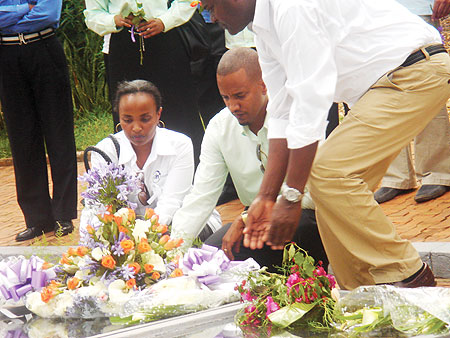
(85, 59)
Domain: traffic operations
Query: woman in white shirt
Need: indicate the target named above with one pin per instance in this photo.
(156, 39)
(164, 158)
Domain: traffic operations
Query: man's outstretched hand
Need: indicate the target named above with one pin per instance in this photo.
(258, 223)
(284, 222)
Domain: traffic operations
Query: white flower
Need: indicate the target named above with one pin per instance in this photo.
(118, 292)
(123, 213)
(140, 229)
(154, 259)
(63, 302)
(35, 304)
(70, 268)
(98, 253)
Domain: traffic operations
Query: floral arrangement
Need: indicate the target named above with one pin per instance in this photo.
(300, 295)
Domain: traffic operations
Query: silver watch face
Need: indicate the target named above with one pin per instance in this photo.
(292, 195)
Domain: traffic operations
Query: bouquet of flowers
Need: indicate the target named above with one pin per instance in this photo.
(300, 295)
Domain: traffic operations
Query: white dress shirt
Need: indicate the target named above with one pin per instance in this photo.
(100, 13)
(227, 147)
(314, 53)
(168, 171)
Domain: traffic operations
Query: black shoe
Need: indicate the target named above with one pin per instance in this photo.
(63, 228)
(30, 233)
(429, 192)
(423, 277)
(385, 194)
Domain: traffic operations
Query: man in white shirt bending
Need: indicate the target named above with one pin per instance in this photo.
(236, 142)
(392, 70)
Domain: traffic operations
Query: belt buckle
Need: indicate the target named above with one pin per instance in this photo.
(22, 39)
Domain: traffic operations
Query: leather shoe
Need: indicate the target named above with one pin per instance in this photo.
(429, 192)
(30, 233)
(385, 194)
(424, 278)
(63, 228)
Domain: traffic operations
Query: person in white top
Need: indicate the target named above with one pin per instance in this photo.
(392, 70)
(145, 44)
(236, 142)
(431, 164)
(164, 157)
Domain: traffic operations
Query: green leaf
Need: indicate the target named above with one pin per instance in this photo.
(289, 314)
(291, 252)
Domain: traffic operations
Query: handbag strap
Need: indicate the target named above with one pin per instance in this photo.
(100, 152)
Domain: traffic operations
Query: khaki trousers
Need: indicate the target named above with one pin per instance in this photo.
(361, 242)
(432, 158)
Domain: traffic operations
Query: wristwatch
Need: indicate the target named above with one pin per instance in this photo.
(291, 195)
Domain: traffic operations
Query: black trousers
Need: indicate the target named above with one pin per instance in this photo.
(165, 64)
(37, 104)
(306, 236)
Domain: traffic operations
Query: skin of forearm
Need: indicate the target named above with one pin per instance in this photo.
(275, 170)
(299, 166)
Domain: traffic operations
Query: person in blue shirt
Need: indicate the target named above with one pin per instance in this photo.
(36, 101)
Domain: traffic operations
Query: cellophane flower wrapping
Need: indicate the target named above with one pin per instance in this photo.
(418, 311)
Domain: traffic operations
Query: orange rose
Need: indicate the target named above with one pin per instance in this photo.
(90, 230)
(46, 265)
(82, 250)
(118, 220)
(144, 247)
(64, 259)
(164, 239)
(176, 273)
(47, 294)
(149, 212)
(108, 262)
(131, 215)
(170, 245)
(73, 283)
(72, 252)
(179, 241)
(127, 245)
(155, 275)
(131, 283)
(136, 267)
(123, 229)
(148, 268)
(162, 228)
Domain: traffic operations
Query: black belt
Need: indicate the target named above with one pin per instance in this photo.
(25, 38)
(419, 55)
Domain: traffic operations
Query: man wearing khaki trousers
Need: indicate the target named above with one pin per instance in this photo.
(392, 70)
(431, 147)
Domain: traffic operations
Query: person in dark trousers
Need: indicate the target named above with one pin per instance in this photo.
(37, 105)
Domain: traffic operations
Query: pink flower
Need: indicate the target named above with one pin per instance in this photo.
(247, 296)
(319, 271)
(271, 305)
(332, 281)
(293, 279)
(251, 308)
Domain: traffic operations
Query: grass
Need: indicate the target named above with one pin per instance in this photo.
(89, 130)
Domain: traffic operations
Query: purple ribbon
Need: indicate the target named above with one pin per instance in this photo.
(21, 276)
(206, 263)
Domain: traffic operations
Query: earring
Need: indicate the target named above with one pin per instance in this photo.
(118, 127)
(161, 124)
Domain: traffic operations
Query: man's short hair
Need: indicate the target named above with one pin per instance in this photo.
(237, 58)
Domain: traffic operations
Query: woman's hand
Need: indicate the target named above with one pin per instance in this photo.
(151, 28)
(120, 21)
(232, 239)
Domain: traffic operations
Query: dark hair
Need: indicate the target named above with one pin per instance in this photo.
(136, 86)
